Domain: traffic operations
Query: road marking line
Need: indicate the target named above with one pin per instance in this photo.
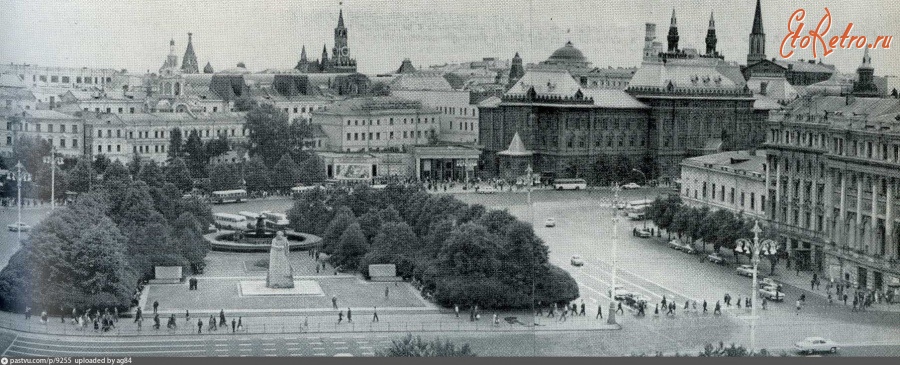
(368, 354)
(295, 348)
(106, 351)
(296, 354)
(267, 355)
(221, 349)
(245, 350)
(318, 348)
(315, 343)
(291, 343)
(339, 343)
(245, 344)
(129, 346)
(10, 345)
(365, 347)
(319, 354)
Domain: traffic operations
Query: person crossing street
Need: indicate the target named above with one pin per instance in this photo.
(375, 314)
(717, 309)
(619, 308)
(199, 325)
(599, 311)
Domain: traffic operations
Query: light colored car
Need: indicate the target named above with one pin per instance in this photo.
(716, 259)
(675, 244)
(643, 233)
(576, 260)
(811, 345)
(621, 205)
(771, 293)
(19, 227)
(745, 270)
(630, 186)
(550, 222)
(688, 248)
(769, 282)
(620, 293)
(486, 190)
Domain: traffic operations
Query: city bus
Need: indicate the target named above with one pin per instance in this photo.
(276, 220)
(228, 196)
(569, 184)
(251, 218)
(637, 210)
(230, 221)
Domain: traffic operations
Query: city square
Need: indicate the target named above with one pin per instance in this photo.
(708, 201)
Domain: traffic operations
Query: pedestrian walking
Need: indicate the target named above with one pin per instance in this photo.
(845, 298)
(340, 317)
(855, 302)
(582, 309)
(27, 312)
(718, 308)
(495, 321)
(747, 302)
(664, 301)
(764, 302)
(798, 307)
(386, 291)
(155, 322)
(349, 315)
(599, 311)
(233, 324)
(686, 305)
(619, 308)
(739, 302)
(137, 314)
(199, 325)
(375, 314)
(212, 323)
(44, 317)
(334, 302)
(552, 312)
(565, 312)
(704, 306)
(456, 309)
(830, 300)
(240, 326)
(222, 321)
(115, 314)
(155, 306)
(803, 298)
(187, 315)
(656, 311)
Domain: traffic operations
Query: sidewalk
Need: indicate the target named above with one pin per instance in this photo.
(802, 282)
(363, 322)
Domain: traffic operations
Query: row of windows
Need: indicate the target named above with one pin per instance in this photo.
(302, 109)
(839, 146)
(61, 143)
(452, 110)
(464, 126)
(67, 79)
(390, 135)
(162, 133)
(51, 128)
(718, 193)
(356, 122)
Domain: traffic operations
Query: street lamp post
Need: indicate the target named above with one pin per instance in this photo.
(528, 172)
(768, 247)
(53, 161)
(20, 175)
(645, 193)
(611, 318)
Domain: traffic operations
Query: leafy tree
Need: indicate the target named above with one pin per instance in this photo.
(175, 144)
(417, 347)
(257, 175)
(177, 173)
(134, 166)
(312, 170)
(309, 214)
(116, 179)
(81, 176)
(101, 162)
(46, 179)
(350, 248)
(187, 235)
(285, 174)
(151, 174)
(332, 234)
(269, 134)
(195, 155)
(394, 244)
(30, 151)
(224, 176)
(217, 146)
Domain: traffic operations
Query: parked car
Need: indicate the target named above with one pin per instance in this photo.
(630, 186)
(486, 190)
(769, 282)
(19, 227)
(688, 248)
(643, 233)
(634, 300)
(771, 293)
(576, 260)
(550, 223)
(746, 270)
(620, 293)
(675, 244)
(811, 345)
(716, 259)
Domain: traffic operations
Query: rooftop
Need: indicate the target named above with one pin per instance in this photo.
(732, 161)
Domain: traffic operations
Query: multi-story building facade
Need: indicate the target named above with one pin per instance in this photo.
(566, 127)
(460, 118)
(377, 124)
(834, 173)
(733, 180)
(35, 76)
(62, 131)
(121, 136)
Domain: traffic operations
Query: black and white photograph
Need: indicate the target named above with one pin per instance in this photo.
(435, 178)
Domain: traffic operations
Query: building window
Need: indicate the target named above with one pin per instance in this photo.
(752, 201)
(714, 191)
(74, 143)
(62, 143)
(391, 135)
(99, 149)
(348, 136)
(355, 136)
(742, 199)
(704, 190)
(50, 128)
(74, 128)
(731, 196)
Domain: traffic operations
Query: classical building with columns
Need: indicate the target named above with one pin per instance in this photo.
(833, 168)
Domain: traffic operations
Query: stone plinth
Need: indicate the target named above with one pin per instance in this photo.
(281, 275)
(250, 288)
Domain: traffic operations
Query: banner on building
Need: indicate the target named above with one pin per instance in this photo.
(352, 172)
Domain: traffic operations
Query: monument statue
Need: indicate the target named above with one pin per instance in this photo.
(281, 275)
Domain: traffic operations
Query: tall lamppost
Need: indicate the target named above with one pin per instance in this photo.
(20, 175)
(528, 172)
(767, 247)
(53, 161)
(645, 193)
(611, 318)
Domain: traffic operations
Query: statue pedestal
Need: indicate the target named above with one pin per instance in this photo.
(281, 275)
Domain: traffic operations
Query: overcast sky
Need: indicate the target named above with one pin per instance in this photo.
(269, 33)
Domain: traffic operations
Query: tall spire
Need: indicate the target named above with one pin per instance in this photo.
(516, 71)
(711, 39)
(673, 33)
(757, 20)
(341, 19)
(303, 54)
(867, 60)
(189, 61)
(171, 59)
(865, 84)
(757, 38)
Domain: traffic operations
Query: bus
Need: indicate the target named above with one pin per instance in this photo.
(230, 221)
(569, 184)
(251, 218)
(228, 196)
(637, 209)
(276, 220)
